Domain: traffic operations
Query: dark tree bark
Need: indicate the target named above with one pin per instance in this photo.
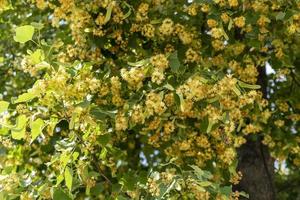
(255, 162)
(257, 168)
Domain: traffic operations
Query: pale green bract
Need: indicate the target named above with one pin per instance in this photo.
(24, 33)
(25, 97)
(68, 178)
(3, 106)
(18, 132)
(36, 128)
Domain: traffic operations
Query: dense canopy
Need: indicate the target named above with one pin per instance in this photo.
(149, 99)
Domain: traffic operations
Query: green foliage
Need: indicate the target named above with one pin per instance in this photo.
(174, 62)
(36, 128)
(145, 99)
(68, 178)
(3, 106)
(24, 33)
(25, 97)
(59, 194)
(18, 132)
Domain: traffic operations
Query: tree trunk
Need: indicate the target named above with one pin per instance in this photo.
(255, 162)
(257, 168)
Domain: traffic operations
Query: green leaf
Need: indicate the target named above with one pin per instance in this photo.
(174, 62)
(245, 85)
(25, 97)
(214, 99)
(180, 101)
(143, 177)
(224, 33)
(129, 11)
(108, 12)
(59, 194)
(64, 158)
(84, 104)
(236, 90)
(52, 124)
(226, 190)
(120, 197)
(36, 128)
(68, 178)
(207, 175)
(104, 139)
(169, 87)
(19, 131)
(98, 189)
(24, 33)
(139, 63)
(37, 57)
(102, 114)
(103, 153)
(75, 155)
(244, 194)
(4, 131)
(3, 106)
(232, 168)
(74, 120)
(209, 126)
(280, 16)
(169, 188)
(129, 181)
(241, 122)
(59, 179)
(42, 188)
(205, 183)
(199, 172)
(230, 24)
(38, 26)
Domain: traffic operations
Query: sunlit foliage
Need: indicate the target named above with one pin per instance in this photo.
(115, 99)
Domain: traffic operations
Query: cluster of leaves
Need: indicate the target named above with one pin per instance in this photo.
(102, 93)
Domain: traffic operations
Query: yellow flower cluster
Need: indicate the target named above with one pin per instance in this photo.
(201, 112)
(216, 33)
(279, 123)
(137, 115)
(41, 4)
(233, 3)
(134, 76)
(3, 5)
(116, 91)
(121, 122)
(157, 76)
(194, 89)
(148, 30)
(160, 61)
(239, 21)
(192, 56)
(167, 27)
(251, 128)
(154, 104)
(236, 178)
(184, 36)
(218, 45)
(248, 73)
(193, 9)
(199, 195)
(142, 12)
(153, 187)
(283, 106)
(212, 23)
